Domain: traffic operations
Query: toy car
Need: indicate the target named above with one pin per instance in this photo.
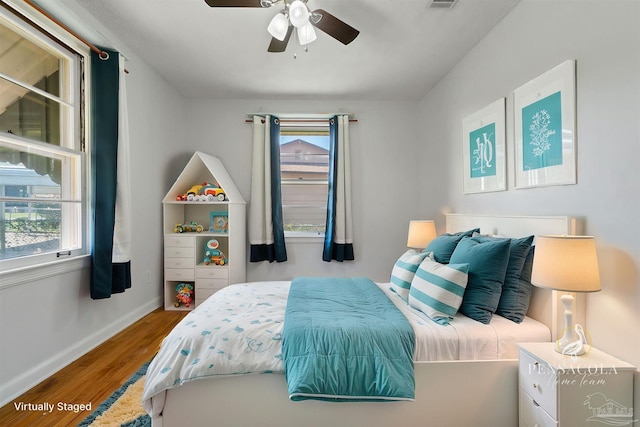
(194, 192)
(211, 191)
(188, 227)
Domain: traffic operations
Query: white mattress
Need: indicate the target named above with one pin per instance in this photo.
(468, 339)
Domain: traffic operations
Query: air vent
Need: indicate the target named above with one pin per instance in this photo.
(442, 4)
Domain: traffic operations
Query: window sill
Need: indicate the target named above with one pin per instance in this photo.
(301, 237)
(22, 275)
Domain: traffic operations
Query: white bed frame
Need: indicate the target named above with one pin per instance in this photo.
(458, 393)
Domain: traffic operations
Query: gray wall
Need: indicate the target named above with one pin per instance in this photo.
(604, 39)
(385, 173)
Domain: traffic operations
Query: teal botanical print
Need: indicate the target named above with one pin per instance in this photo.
(482, 145)
(542, 133)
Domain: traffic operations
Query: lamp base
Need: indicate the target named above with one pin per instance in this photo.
(573, 340)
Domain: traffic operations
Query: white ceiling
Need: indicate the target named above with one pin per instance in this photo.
(404, 46)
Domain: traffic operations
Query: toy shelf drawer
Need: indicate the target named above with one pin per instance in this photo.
(182, 274)
(539, 381)
(532, 414)
(183, 241)
(211, 272)
(214, 284)
(186, 262)
(178, 252)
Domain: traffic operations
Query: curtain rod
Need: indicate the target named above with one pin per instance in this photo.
(303, 121)
(101, 53)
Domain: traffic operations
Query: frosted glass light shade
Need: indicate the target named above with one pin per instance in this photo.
(298, 14)
(566, 263)
(306, 34)
(278, 26)
(421, 233)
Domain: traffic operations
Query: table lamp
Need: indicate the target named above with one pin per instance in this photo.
(569, 264)
(421, 233)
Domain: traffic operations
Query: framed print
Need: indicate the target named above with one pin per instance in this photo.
(483, 149)
(219, 222)
(545, 123)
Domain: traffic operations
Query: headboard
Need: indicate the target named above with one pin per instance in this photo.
(545, 304)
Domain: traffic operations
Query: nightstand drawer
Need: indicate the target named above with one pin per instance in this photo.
(539, 380)
(181, 274)
(178, 252)
(178, 262)
(532, 415)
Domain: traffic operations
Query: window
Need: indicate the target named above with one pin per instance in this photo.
(42, 164)
(304, 166)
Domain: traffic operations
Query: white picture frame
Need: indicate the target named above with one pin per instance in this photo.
(483, 148)
(545, 129)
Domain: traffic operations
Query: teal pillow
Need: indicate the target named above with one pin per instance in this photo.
(444, 245)
(514, 302)
(488, 261)
(518, 251)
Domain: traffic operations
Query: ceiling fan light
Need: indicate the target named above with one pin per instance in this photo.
(306, 34)
(298, 13)
(278, 26)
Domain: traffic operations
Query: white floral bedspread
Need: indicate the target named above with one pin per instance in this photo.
(238, 330)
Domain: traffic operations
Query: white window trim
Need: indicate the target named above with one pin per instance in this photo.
(81, 258)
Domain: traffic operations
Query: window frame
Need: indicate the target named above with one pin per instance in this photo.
(301, 126)
(31, 24)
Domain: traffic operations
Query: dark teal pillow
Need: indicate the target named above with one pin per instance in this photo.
(444, 245)
(488, 261)
(518, 250)
(514, 302)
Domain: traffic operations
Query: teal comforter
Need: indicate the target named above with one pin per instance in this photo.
(343, 339)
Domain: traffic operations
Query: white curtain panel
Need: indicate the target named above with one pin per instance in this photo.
(260, 222)
(344, 221)
(122, 225)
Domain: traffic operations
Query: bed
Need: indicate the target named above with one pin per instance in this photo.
(465, 372)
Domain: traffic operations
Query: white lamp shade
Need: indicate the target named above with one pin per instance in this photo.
(421, 233)
(306, 34)
(566, 263)
(278, 26)
(298, 14)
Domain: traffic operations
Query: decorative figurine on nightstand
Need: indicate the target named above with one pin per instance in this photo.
(184, 294)
(214, 255)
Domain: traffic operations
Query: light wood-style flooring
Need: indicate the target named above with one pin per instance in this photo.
(93, 377)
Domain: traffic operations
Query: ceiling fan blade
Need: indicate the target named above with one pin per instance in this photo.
(238, 3)
(331, 25)
(277, 46)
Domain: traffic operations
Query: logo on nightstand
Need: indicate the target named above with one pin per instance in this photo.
(608, 411)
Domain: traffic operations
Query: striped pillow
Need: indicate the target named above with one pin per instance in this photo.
(437, 289)
(404, 270)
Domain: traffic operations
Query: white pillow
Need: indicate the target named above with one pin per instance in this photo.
(437, 289)
(404, 270)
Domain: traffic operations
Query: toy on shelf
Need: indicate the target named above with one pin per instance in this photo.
(214, 255)
(189, 226)
(205, 192)
(184, 294)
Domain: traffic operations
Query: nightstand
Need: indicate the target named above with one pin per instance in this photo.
(557, 390)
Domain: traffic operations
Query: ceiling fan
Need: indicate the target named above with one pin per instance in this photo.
(296, 15)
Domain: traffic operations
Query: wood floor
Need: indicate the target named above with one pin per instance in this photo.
(93, 377)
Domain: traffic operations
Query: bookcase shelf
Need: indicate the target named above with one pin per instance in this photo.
(184, 252)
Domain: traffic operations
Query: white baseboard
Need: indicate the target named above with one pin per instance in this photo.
(53, 364)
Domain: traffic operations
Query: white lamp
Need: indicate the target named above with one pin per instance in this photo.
(298, 14)
(421, 233)
(278, 26)
(306, 34)
(569, 264)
